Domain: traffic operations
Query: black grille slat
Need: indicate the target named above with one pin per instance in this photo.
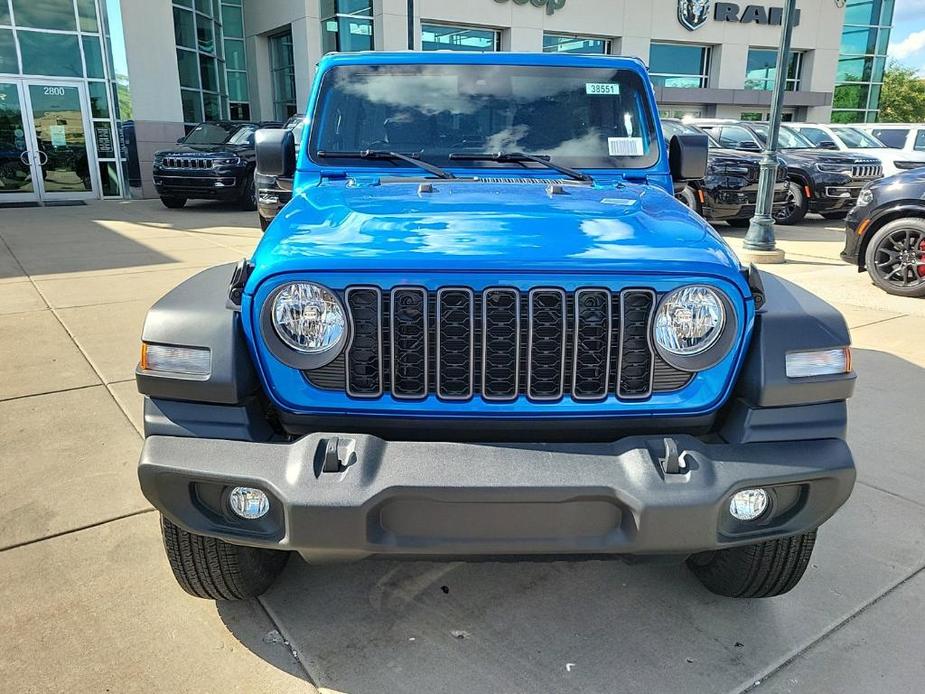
(593, 335)
(364, 356)
(500, 343)
(635, 365)
(409, 327)
(546, 344)
(455, 343)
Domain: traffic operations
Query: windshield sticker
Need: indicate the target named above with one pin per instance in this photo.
(602, 89)
(625, 147)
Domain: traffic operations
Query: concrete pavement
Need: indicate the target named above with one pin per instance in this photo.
(91, 605)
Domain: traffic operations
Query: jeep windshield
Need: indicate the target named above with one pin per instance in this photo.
(578, 117)
(789, 139)
(220, 134)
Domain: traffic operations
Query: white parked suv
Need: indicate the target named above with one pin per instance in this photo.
(858, 139)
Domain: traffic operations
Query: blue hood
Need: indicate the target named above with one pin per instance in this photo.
(368, 225)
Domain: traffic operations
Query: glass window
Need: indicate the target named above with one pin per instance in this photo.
(847, 116)
(240, 111)
(188, 64)
(93, 56)
(50, 54)
(556, 43)
(751, 115)
(8, 61)
(679, 65)
(86, 10)
(445, 109)
(761, 70)
(99, 101)
(237, 86)
(211, 106)
(345, 34)
(733, 136)
(438, 37)
(282, 72)
(109, 179)
(45, 14)
(235, 55)
(4, 13)
(205, 35)
(869, 12)
(192, 106)
(892, 137)
(232, 21)
(850, 96)
(858, 139)
(815, 135)
(204, 6)
(184, 28)
(208, 74)
(858, 41)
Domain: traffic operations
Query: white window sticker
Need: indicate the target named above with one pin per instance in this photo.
(625, 147)
(601, 88)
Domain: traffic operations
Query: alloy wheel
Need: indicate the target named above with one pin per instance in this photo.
(899, 258)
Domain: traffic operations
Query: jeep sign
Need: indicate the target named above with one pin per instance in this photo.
(693, 14)
(550, 5)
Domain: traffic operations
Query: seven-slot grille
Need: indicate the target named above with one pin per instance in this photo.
(498, 344)
(186, 163)
(872, 169)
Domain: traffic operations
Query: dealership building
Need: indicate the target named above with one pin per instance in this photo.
(90, 89)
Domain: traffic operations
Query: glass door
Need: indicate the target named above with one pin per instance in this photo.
(17, 164)
(63, 153)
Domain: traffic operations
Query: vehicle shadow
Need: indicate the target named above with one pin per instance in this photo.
(381, 625)
(812, 228)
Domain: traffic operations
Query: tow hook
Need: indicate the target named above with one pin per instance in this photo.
(673, 463)
(336, 454)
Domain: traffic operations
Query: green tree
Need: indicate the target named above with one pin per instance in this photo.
(902, 99)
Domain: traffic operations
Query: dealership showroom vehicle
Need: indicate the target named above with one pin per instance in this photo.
(728, 191)
(885, 233)
(847, 138)
(821, 181)
(273, 193)
(483, 328)
(906, 137)
(215, 161)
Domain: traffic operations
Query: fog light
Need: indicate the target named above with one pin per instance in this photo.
(748, 504)
(249, 503)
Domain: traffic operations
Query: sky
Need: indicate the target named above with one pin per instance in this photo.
(907, 40)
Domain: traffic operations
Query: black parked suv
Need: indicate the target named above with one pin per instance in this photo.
(273, 194)
(215, 161)
(729, 190)
(821, 180)
(885, 233)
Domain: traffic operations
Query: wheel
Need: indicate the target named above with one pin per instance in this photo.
(688, 196)
(248, 199)
(796, 206)
(834, 215)
(173, 203)
(895, 257)
(762, 570)
(212, 569)
(739, 223)
(264, 222)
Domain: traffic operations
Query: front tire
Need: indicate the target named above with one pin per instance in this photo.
(172, 202)
(795, 208)
(248, 199)
(209, 568)
(761, 570)
(834, 215)
(895, 257)
(688, 197)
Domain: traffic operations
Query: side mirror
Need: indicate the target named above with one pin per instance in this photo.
(827, 144)
(748, 146)
(275, 149)
(180, 140)
(687, 157)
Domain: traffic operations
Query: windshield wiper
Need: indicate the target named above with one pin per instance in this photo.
(388, 156)
(519, 158)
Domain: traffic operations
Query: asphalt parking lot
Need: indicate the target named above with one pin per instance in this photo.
(90, 605)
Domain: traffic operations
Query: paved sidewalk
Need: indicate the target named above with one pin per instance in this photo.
(90, 605)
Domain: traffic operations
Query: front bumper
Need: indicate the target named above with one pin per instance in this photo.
(740, 204)
(450, 499)
(214, 184)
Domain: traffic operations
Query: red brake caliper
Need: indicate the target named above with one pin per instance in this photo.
(922, 267)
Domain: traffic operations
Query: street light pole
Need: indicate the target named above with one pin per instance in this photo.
(759, 243)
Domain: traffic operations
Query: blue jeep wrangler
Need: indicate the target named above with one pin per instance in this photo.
(484, 327)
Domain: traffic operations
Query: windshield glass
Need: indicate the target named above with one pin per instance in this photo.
(670, 128)
(216, 134)
(852, 137)
(296, 124)
(789, 139)
(580, 117)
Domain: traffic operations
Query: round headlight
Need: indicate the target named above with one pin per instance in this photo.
(308, 318)
(689, 321)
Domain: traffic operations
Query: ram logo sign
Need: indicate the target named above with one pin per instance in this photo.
(693, 13)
